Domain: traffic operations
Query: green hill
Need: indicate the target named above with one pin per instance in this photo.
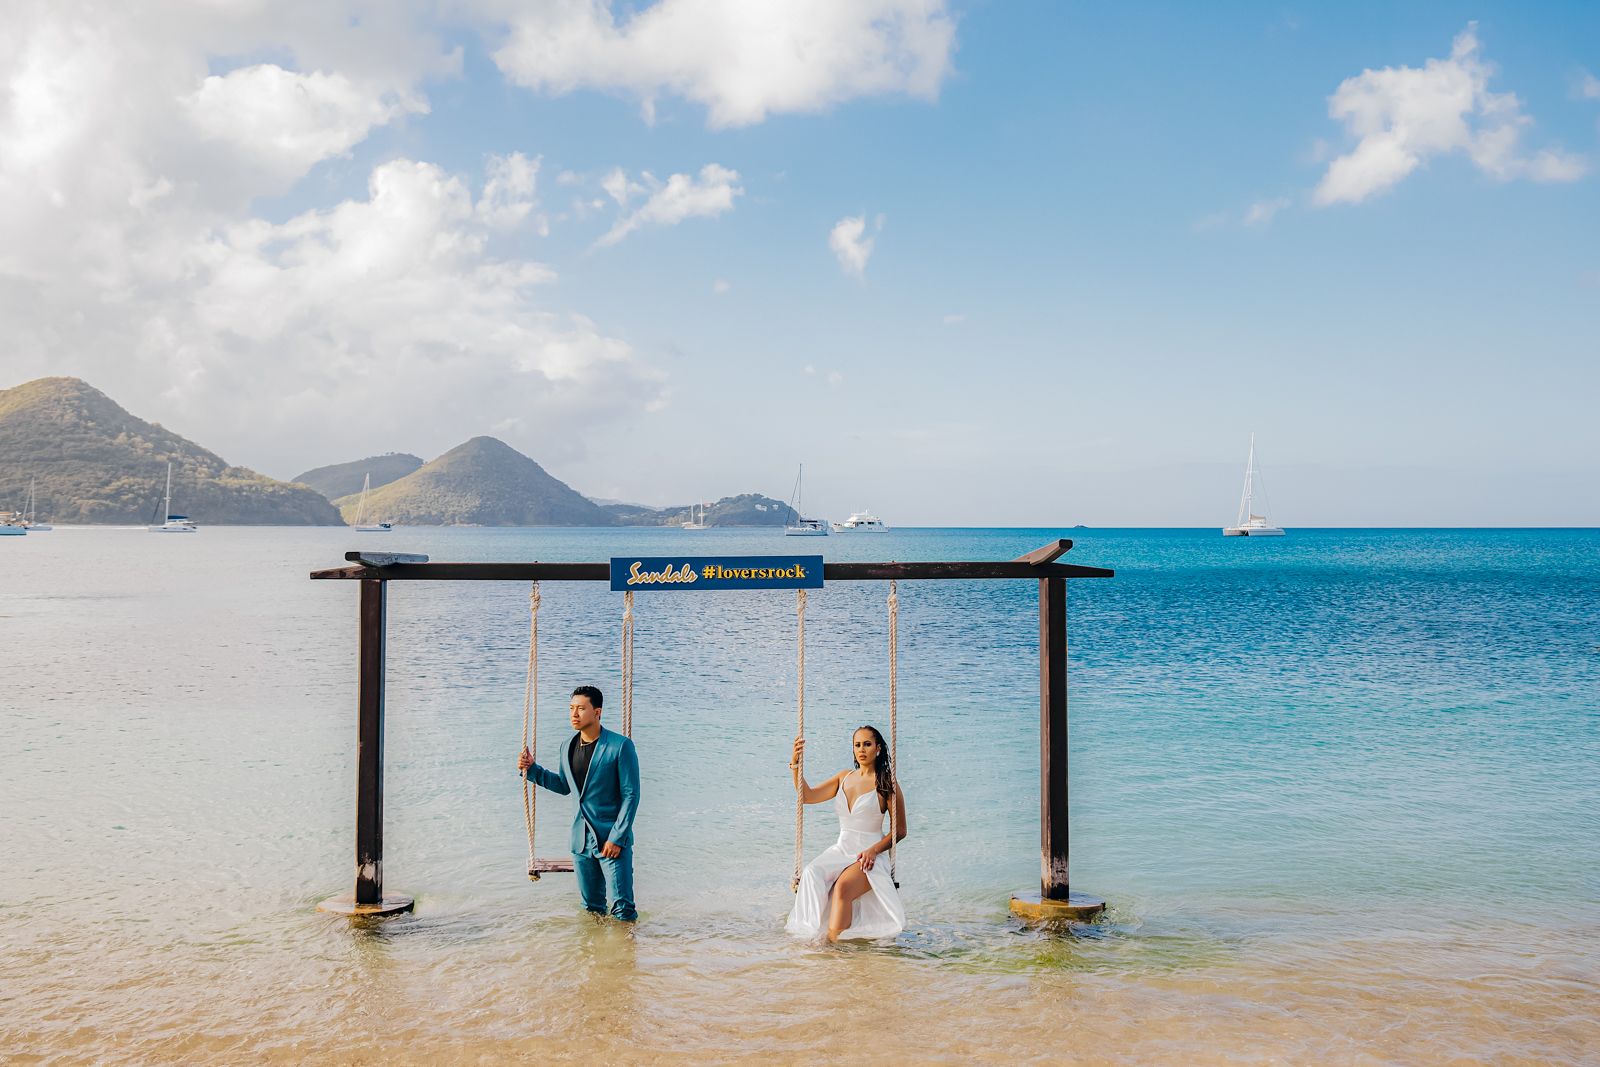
(746, 509)
(342, 479)
(96, 463)
(484, 482)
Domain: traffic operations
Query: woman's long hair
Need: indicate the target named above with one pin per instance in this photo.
(881, 768)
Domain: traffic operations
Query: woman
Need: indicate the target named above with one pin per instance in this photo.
(847, 892)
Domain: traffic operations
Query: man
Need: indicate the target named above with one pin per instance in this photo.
(604, 768)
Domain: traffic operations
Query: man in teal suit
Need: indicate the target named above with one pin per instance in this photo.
(604, 769)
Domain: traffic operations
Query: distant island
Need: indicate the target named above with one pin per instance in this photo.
(93, 462)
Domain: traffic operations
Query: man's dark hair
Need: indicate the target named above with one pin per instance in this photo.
(596, 697)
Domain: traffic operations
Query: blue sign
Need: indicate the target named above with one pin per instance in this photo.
(715, 572)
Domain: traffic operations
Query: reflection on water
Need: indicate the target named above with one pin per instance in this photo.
(1339, 791)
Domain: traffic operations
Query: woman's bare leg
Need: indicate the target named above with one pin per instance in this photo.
(850, 885)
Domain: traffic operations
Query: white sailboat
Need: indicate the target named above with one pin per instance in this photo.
(801, 526)
(1250, 524)
(28, 514)
(695, 523)
(361, 523)
(174, 523)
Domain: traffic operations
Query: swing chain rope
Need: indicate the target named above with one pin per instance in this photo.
(800, 728)
(894, 755)
(530, 722)
(627, 663)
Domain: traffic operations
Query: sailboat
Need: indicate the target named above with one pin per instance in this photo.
(361, 523)
(801, 526)
(174, 523)
(696, 523)
(28, 519)
(1250, 524)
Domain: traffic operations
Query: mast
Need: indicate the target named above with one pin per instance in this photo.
(166, 507)
(1249, 478)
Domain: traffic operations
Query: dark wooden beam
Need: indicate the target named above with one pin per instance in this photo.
(1046, 554)
(1053, 874)
(601, 572)
(369, 746)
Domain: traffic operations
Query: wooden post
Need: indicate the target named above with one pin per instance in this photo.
(368, 898)
(1055, 899)
(1053, 876)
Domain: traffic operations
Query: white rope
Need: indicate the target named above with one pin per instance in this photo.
(530, 722)
(627, 663)
(800, 731)
(894, 757)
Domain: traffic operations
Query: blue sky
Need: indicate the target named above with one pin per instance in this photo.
(1107, 245)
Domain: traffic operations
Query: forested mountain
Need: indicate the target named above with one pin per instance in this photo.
(483, 482)
(93, 462)
(342, 479)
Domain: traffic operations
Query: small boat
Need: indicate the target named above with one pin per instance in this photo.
(361, 523)
(1250, 524)
(861, 522)
(174, 523)
(696, 523)
(801, 526)
(28, 519)
(9, 528)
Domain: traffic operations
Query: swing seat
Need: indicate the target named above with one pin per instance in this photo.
(549, 866)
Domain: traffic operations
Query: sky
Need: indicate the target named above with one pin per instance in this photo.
(972, 263)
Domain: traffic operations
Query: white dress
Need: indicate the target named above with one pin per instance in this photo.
(878, 913)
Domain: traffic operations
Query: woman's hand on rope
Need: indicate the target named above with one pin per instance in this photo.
(524, 760)
(799, 753)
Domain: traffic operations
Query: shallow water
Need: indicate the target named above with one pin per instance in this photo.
(1340, 790)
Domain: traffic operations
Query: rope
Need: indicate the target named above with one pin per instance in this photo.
(530, 721)
(800, 730)
(894, 757)
(627, 663)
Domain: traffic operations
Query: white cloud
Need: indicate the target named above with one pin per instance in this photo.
(1261, 212)
(620, 188)
(835, 379)
(1403, 116)
(286, 121)
(508, 194)
(1587, 87)
(679, 197)
(954, 320)
(720, 286)
(850, 243)
(742, 60)
(129, 253)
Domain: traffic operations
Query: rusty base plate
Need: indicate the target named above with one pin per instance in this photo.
(391, 904)
(1078, 908)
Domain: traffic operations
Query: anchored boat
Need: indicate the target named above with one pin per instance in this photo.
(1249, 523)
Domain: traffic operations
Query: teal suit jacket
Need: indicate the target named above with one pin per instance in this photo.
(610, 794)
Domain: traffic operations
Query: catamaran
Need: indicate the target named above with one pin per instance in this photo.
(803, 527)
(361, 523)
(861, 522)
(174, 523)
(1250, 524)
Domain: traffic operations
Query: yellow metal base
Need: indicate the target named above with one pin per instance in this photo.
(1077, 908)
(346, 905)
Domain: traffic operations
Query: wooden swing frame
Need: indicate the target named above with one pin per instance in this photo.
(1055, 899)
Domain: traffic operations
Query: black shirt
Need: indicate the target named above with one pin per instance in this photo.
(579, 753)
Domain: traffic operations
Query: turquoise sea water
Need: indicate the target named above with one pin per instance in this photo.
(1340, 789)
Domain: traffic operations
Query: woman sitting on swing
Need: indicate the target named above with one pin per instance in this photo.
(846, 892)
